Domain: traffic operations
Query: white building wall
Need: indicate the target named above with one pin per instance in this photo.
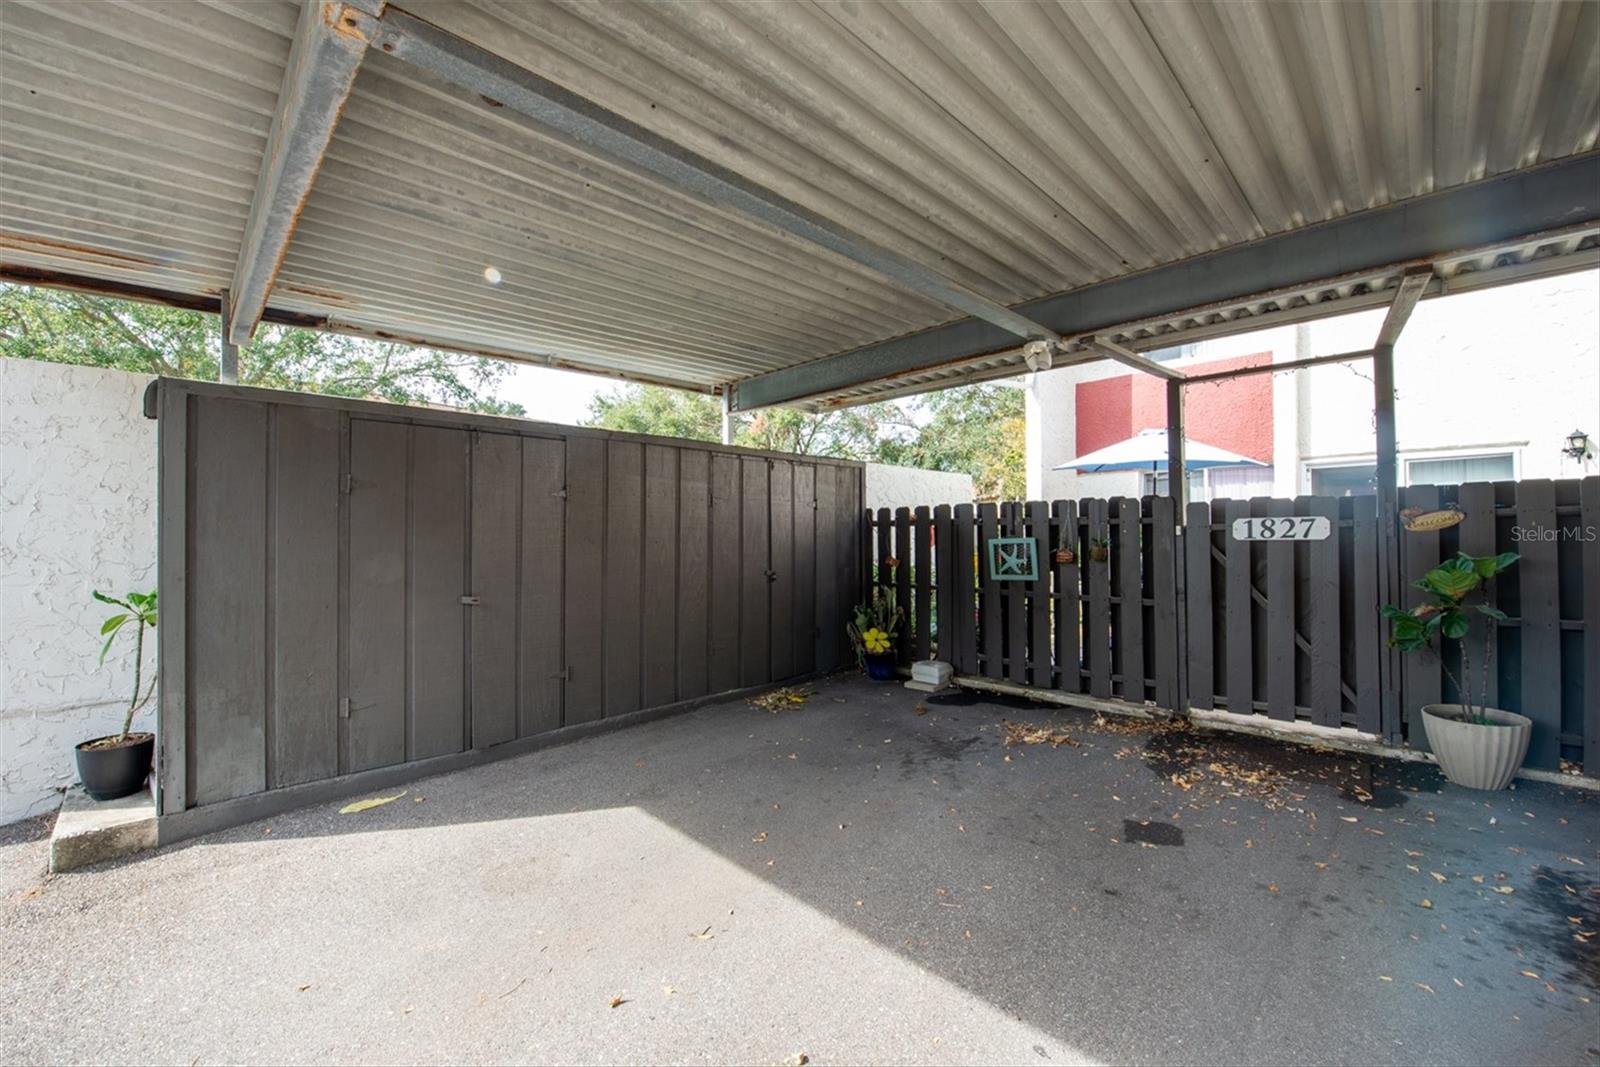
(906, 487)
(77, 513)
(1510, 369)
(1053, 395)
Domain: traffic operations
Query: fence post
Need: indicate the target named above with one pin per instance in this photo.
(944, 613)
(1388, 534)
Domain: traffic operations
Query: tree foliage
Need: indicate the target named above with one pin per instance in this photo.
(68, 327)
(976, 430)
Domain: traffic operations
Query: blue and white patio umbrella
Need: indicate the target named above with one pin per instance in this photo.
(1147, 451)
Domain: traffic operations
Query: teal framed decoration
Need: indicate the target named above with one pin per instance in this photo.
(1013, 559)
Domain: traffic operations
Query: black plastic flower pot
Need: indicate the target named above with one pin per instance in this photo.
(116, 770)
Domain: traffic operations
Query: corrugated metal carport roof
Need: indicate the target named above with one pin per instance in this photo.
(1016, 150)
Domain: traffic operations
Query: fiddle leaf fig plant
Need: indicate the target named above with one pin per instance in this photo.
(139, 610)
(1445, 614)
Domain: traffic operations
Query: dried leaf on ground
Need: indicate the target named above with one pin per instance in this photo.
(616, 1001)
(370, 803)
(785, 699)
(1020, 733)
(1188, 779)
(703, 935)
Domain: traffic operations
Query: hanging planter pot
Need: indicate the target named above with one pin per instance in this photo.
(1099, 550)
(1064, 556)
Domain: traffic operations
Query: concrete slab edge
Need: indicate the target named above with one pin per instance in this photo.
(89, 831)
(1295, 733)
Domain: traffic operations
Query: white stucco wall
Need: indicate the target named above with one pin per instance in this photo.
(77, 512)
(906, 487)
(1512, 369)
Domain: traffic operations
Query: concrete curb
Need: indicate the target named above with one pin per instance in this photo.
(1295, 733)
(92, 831)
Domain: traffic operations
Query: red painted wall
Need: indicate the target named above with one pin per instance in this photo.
(1235, 414)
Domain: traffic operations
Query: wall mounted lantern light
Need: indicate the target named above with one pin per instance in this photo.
(1577, 445)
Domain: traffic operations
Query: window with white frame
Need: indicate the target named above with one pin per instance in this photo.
(1453, 470)
(1347, 479)
(1155, 484)
(1216, 482)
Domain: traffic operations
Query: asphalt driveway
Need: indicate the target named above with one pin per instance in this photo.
(872, 876)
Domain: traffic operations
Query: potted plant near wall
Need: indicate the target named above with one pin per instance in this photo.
(873, 630)
(1477, 746)
(118, 764)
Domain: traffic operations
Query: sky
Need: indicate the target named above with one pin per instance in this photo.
(554, 395)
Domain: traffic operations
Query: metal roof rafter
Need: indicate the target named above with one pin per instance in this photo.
(506, 89)
(1129, 358)
(330, 41)
(1405, 302)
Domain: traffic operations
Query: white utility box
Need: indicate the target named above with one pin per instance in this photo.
(929, 676)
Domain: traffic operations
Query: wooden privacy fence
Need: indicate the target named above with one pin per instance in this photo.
(1101, 628)
(353, 591)
(1150, 611)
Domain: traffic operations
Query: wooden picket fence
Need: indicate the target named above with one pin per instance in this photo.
(1183, 615)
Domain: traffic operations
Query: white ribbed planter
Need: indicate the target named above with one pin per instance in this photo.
(1476, 756)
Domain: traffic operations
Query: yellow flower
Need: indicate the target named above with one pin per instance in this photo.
(875, 641)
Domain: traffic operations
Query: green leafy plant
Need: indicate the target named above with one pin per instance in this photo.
(1100, 549)
(876, 623)
(139, 611)
(1444, 615)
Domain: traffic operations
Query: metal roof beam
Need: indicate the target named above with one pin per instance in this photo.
(330, 41)
(506, 89)
(1549, 197)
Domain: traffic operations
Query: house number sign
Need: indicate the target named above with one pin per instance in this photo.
(1283, 528)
